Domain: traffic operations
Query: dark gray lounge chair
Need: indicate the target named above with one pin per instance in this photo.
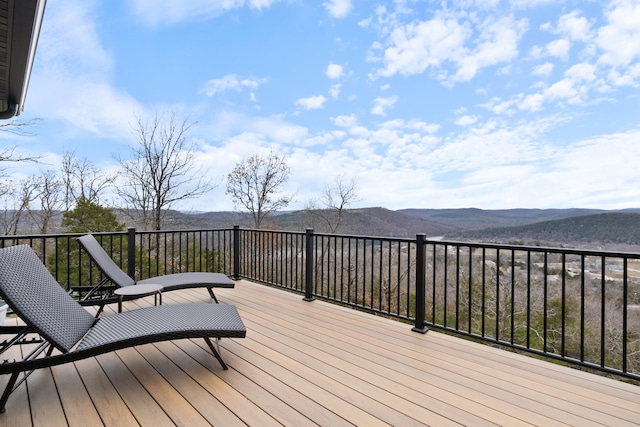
(170, 282)
(34, 295)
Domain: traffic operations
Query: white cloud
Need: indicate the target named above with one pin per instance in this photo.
(380, 105)
(345, 121)
(629, 77)
(573, 88)
(619, 38)
(72, 76)
(497, 43)
(227, 124)
(532, 102)
(338, 8)
(416, 46)
(167, 12)
(323, 139)
(575, 26)
(558, 48)
(365, 22)
(69, 41)
(334, 90)
(466, 120)
(334, 71)
(312, 102)
(581, 72)
(230, 82)
(449, 40)
(429, 128)
(543, 70)
(525, 4)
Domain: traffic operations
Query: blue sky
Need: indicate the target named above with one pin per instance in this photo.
(433, 104)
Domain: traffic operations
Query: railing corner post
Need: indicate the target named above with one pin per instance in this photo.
(131, 252)
(421, 260)
(308, 279)
(236, 252)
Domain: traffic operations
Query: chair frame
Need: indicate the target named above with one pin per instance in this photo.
(65, 327)
(113, 274)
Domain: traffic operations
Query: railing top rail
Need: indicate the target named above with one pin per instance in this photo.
(527, 248)
(260, 230)
(188, 230)
(357, 236)
(46, 236)
(478, 245)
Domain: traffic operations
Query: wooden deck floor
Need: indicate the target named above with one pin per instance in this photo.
(317, 364)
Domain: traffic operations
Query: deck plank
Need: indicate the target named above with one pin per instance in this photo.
(174, 405)
(381, 402)
(208, 377)
(18, 409)
(46, 407)
(268, 391)
(78, 407)
(315, 363)
(205, 403)
(487, 375)
(142, 405)
(112, 409)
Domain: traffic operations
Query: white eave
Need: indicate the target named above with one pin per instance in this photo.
(20, 22)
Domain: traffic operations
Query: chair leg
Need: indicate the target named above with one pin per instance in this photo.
(212, 295)
(216, 354)
(8, 390)
(100, 311)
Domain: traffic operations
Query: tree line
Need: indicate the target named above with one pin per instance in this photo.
(158, 174)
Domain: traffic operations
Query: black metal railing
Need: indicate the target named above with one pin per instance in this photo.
(579, 306)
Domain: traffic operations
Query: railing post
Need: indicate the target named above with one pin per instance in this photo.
(308, 275)
(131, 252)
(421, 261)
(236, 252)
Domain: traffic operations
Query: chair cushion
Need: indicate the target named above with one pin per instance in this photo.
(104, 261)
(39, 300)
(164, 322)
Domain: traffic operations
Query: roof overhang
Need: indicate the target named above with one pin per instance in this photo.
(20, 22)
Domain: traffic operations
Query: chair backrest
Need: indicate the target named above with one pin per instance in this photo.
(104, 261)
(39, 300)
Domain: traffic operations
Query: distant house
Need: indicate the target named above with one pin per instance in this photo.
(20, 22)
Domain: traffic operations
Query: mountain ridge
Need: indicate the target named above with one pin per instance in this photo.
(595, 227)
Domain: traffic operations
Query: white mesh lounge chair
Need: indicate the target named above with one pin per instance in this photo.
(64, 325)
(170, 282)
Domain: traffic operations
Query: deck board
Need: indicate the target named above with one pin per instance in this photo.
(314, 363)
(78, 407)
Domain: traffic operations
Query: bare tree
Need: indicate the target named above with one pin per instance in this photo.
(162, 170)
(11, 154)
(16, 197)
(256, 182)
(330, 209)
(49, 193)
(82, 180)
(18, 127)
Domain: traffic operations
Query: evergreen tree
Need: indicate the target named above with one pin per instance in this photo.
(69, 264)
(90, 217)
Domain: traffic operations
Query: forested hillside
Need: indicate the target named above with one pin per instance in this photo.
(587, 228)
(599, 229)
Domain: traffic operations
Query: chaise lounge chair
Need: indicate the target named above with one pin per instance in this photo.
(34, 295)
(170, 282)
